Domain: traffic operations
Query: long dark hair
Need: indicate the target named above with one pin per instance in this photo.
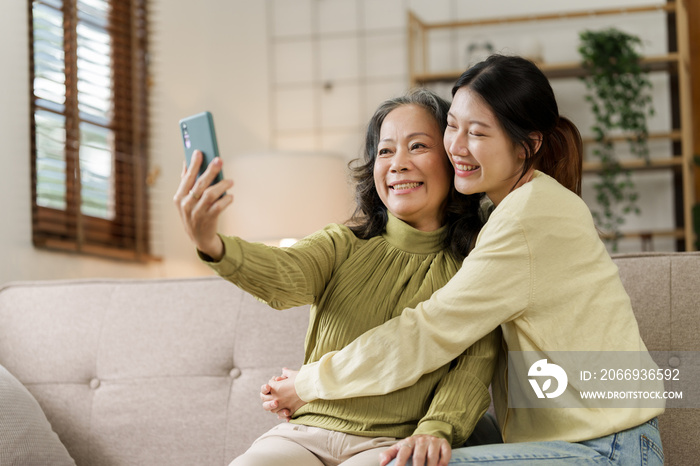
(523, 101)
(371, 216)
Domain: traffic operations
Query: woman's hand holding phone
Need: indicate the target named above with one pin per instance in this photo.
(199, 204)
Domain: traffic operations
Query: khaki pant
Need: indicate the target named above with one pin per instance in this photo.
(311, 446)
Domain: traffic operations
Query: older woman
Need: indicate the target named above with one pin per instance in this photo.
(406, 240)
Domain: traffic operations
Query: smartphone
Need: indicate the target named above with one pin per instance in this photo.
(198, 133)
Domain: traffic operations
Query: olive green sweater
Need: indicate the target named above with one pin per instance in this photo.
(354, 285)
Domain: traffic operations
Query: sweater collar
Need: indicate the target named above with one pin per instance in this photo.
(403, 236)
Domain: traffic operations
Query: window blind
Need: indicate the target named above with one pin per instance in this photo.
(89, 126)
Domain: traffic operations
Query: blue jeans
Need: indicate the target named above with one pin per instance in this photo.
(639, 445)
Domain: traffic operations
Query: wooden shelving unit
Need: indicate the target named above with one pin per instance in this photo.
(676, 63)
(668, 63)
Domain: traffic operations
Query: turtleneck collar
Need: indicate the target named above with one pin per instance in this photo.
(403, 236)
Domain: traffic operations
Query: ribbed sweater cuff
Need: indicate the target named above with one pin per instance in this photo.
(435, 428)
(230, 262)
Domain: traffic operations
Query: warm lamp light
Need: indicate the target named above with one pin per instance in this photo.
(286, 195)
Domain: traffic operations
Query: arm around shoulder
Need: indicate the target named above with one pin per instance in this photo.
(492, 287)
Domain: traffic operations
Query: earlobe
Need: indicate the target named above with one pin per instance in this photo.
(522, 153)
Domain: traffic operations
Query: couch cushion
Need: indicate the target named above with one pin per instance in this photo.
(26, 436)
(148, 371)
(665, 292)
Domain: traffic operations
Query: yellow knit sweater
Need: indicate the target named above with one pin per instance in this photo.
(541, 272)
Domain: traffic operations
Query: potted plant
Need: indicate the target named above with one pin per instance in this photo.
(618, 95)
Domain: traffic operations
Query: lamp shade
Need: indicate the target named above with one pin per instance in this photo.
(281, 195)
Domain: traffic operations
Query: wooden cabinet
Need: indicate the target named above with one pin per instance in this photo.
(676, 63)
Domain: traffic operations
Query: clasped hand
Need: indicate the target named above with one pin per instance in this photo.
(280, 397)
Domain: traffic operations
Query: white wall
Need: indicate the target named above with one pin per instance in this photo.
(214, 56)
(209, 57)
(334, 61)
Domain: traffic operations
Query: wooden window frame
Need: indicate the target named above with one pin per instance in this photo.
(126, 235)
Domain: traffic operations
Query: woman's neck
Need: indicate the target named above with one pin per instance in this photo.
(526, 178)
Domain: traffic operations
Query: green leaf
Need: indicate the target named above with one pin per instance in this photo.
(619, 99)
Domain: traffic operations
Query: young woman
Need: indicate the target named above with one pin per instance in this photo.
(538, 270)
(409, 235)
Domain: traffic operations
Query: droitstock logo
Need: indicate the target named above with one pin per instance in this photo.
(551, 371)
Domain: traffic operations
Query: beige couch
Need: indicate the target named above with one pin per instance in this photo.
(167, 372)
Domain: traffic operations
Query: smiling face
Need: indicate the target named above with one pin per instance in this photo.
(411, 172)
(484, 157)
